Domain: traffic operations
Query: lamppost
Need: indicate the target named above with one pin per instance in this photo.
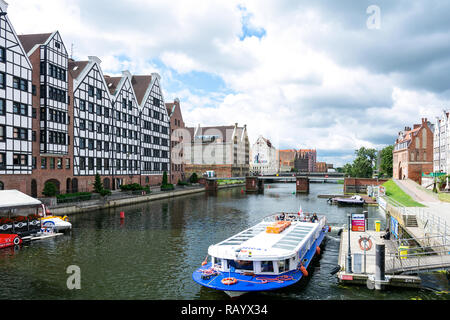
(349, 253)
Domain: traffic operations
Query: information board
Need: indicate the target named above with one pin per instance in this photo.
(358, 222)
(394, 227)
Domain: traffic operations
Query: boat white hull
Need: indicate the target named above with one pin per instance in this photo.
(57, 224)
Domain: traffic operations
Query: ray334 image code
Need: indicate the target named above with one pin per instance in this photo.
(228, 310)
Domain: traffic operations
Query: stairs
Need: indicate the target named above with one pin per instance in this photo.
(411, 221)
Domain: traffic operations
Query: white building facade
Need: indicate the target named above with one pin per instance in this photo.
(263, 157)
(441, 143)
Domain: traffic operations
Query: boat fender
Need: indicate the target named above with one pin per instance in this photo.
(336, 270)
(205, 262)
(16, 240)
(304, 271)
(317, 250)
(229, 281)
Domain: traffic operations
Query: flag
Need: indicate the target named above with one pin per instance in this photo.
(300, 211)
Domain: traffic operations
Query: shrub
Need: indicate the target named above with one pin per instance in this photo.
(182, 183)
(193, 178)
(131, 187)
(167, 187)
(105, 192)
(50, 189)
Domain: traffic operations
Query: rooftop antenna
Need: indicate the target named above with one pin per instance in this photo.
(71, 51)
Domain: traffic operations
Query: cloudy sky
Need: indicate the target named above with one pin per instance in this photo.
(331, 75)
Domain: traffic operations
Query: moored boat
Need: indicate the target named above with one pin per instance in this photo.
(271, 255)
(353, 200)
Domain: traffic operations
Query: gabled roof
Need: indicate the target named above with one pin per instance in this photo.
(140, 86)
(112, 83)
(30, 40)
(170, 108)
(76, 67)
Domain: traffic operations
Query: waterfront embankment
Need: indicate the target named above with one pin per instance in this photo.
(111, 202)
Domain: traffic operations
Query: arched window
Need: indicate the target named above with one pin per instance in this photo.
(2, 186)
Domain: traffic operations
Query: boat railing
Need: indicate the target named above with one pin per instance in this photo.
(293, 216)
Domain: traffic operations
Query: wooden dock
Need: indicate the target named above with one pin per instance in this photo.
(369, 271)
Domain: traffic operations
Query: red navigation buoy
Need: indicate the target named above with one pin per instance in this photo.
(242, 190)
(122, 215)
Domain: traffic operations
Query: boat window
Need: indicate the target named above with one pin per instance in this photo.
(283, 265)
(267, 266)
(241, 264)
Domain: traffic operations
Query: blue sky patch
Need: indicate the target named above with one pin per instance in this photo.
(248, 30)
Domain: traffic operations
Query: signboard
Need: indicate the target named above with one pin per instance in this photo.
(394, 227)
(381, 191)
(382, 203)
(358, 222)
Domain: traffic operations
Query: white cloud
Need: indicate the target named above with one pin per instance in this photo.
(287, 85)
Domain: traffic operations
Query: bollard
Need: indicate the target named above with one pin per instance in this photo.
(379, 265)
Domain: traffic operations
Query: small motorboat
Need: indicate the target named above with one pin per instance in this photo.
(270, 255)
(353, 200)
(56, 223)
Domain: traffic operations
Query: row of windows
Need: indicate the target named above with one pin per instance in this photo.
(56, 72)
(155, 153)
(18, 160)
(57, 116)
(155, 140)
(91, 90)
(18, 83)
(52, 163)
(55, 137)
(105, 164)
(55, 94)
(99, 145)
(155, 166)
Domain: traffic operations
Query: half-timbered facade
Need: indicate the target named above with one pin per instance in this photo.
(126, 128)
(155, 131)
(15, 108)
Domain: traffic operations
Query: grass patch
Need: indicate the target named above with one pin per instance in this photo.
(396, 193)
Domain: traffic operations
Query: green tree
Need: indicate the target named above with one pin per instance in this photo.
(165, 180)
(363, 165)
(193, 178)
(50, 189)
(386, 166)
(98, 185)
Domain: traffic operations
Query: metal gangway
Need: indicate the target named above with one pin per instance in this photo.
(407, 256)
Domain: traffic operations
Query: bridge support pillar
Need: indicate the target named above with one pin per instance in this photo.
(302, 185)
(211, 185)
(254, 185)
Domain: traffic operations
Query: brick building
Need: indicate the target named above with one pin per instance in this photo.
(177, 127)
(413, 152)
(321, 167)
(441, 154)
(63, 121)
(223, 149)
(286, 159)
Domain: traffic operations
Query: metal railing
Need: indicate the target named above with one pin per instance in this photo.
(430, 222)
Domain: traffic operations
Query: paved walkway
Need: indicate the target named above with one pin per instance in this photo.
(440, 209)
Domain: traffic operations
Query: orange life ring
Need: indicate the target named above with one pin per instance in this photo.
(360, 243)
(229, 281)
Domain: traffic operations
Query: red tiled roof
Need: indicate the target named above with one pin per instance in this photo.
(30, 40)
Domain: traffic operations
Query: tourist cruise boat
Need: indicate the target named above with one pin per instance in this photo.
(271, 255)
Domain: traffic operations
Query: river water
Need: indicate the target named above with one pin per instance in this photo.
(152, 253)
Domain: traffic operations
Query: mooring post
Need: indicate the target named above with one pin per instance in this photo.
(379, 265)
(348, 267)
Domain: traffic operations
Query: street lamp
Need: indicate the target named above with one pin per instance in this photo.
(349, 253)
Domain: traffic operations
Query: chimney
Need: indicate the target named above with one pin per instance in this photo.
(3, 5)
(416, 126)
(95, 59)
(127, 73)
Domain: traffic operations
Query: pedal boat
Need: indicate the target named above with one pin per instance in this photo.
(271, 255)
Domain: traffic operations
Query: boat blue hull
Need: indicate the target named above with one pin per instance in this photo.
(248, 283)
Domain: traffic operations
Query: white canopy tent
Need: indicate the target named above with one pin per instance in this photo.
(11, 200)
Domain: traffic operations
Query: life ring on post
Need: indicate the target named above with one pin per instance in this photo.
(229, 281)
(366, 239)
